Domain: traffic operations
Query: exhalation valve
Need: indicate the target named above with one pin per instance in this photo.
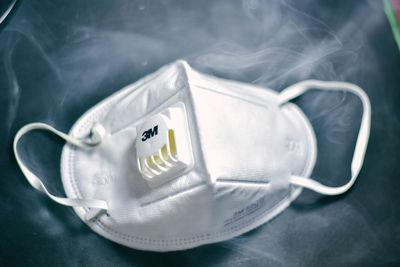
(163, 146)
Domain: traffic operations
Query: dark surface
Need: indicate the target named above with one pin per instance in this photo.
(59, 58)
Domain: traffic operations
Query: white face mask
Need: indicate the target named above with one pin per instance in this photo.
(180, 159)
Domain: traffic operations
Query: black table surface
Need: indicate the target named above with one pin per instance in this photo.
(59, 58)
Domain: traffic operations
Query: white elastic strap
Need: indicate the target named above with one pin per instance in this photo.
(362, 139)
(97, 134)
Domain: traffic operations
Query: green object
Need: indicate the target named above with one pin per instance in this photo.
(391, 14)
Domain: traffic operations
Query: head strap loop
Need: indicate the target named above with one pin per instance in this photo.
(96, 138)
(362, 139)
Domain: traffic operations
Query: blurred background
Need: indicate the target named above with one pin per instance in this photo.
(59, 58)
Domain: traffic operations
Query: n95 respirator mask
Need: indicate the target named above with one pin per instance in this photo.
(180, 159)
